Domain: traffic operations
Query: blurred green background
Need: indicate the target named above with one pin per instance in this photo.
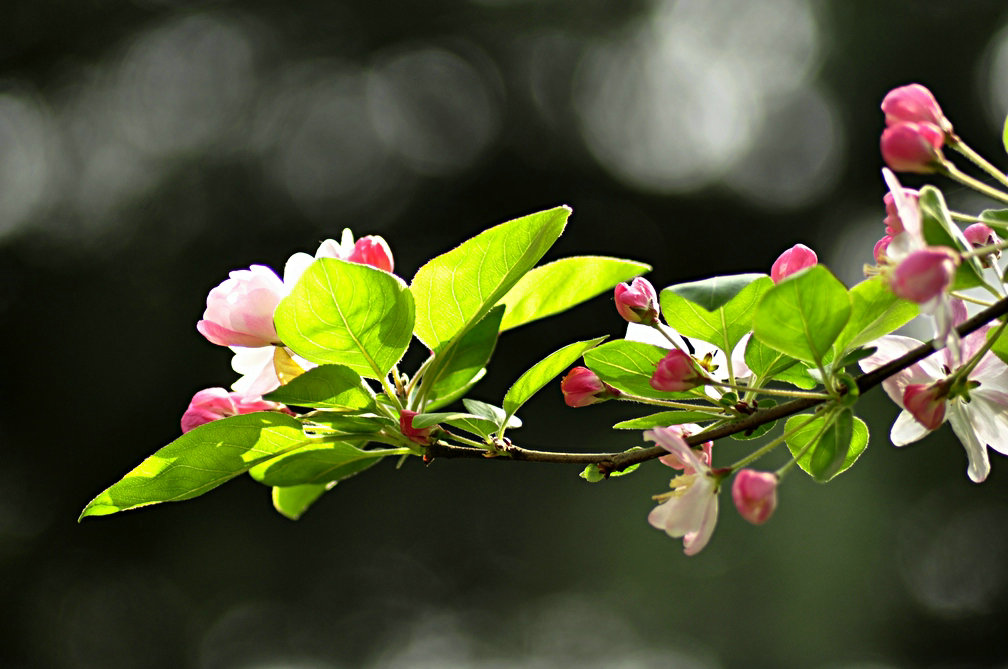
(148, 148)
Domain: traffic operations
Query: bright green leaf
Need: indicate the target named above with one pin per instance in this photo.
(593, 474)
(559, 285)
(875, 312)
(1004, 135)
(292, 501)
(348, 314)
(460, 365)
(1000, 346)
(664, 419)
(628, 366)
(544, 371)
(456, 289)
(201, 460)
(766, 362)
(996, 218)
(725, 324)
(802, 315)
(326, 386)
(464, 421)
(492, 413)
(709, 294)
(840, 446)
(319, 463)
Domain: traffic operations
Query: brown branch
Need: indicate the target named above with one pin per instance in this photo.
(613, 462)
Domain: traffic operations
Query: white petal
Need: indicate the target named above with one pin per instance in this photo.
(672, 440)
(256, 367)
(295, 267)
(649, 335)
(987, 412)
(694, 542)
(906, 430)
(976, 452)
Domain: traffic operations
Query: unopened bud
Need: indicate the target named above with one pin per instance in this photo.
(637, 301)
(924, 274)
(795, 259)
(676, 372)
(912, 147)
(755, 495)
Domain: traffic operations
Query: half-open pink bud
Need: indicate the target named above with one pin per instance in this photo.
(755, 495)
(581, 387)
(240, 310)
(637, 301)
(926, 403)
(893, 223)
(795, 259)
(676, 372)
(215, 403)
(924, 274)
(372, 250)
(879, 252)
(912, 147)
(416, 435)
(914, 104)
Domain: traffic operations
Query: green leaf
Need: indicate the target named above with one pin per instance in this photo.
(592, 474)
(350, 425)
(710, 294)
(464, 421)
(559, 285)
(802, 315)
(664, 419)
(839, 448)
(1004, 135)
(462, 365)
(854, 356)
(725, 324)
(445, 400)
(319, 463)
(996, 218)
(201, 460)
(292, 501)
(766, 362)
(492, 413)
(544, 371)
(348, 314)
(628, 366)
(327, 387)
(875, 312)
(1000, 346)
(456, 289)
(940, 230)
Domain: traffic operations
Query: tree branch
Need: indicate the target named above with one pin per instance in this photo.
(613, 462)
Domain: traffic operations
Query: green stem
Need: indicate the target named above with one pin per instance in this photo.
(781, 471)
(953, 172)
(671, 403)
(965, 218)
(967, 298)
(772, 391)
(964, 371)
(661, 328)
(766, 448)
(956, 144)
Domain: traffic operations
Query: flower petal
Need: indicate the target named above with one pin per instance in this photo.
(976, 452)
(906, 430)
(694, 542)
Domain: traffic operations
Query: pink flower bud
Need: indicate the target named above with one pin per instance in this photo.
(980, 234)
(676, 372)
(417, 435)
(924, 274)
(912, 147)
(879, 252)
(581, 387)
(240, 310)
(372, 250)
(914, 104)
(795, 259)
(637, 301)
(894, 225)
(926, 403)
(755, 495)
(216, 403)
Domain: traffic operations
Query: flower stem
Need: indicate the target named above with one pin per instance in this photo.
(958, 145)
(766, 448)
(953, 172)
(672, 404)
(772, 391)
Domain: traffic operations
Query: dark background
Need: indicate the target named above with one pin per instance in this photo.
(148, 148)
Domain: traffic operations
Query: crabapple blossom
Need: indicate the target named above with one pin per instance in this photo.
(676, 372)
(976, 407)
(414, 434)
(637, 301)
(755, 495)
(893, 222)
(926, 403)
(912, 147)
(690, 509)
(215, 403)
(795, 259)
(581, 387)
(240, 310)
(925, 274)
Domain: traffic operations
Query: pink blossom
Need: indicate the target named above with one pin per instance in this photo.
(676, 372)
(915, 104)
(755, 495)
(690, 509)
(414, 434)
(214, 403)
(881, 247)
(978, 412)
(893, 222)
(581, 387)
(925, 274)
(372, 250)
(912, 147)
(240, 310)
(703, 454)
(980, 234)
(926, 403)
(637, 301)
(795, 259)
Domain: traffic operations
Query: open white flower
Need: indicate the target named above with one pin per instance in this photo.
(690, 509)
(978, 416)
